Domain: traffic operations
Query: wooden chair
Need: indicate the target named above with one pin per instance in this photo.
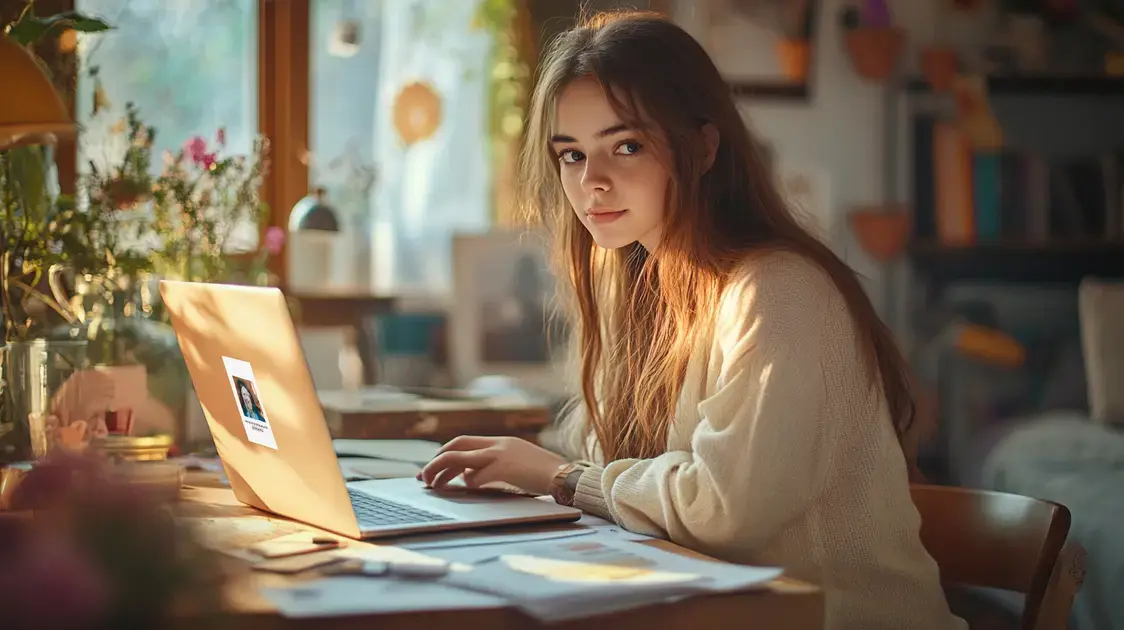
(1004, 541)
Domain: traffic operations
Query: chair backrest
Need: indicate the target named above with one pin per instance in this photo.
(998, 540)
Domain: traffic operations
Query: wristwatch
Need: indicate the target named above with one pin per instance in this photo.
(565, 483)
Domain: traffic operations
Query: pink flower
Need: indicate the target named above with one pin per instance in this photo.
(220, 136)
(196, 149)
(274, 240)
(47, 583)
(208, 161)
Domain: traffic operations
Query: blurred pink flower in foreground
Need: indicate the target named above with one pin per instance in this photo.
(83, 549)
(46, 583)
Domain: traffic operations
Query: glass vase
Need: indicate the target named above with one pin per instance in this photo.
(138, 351)
(47, 403)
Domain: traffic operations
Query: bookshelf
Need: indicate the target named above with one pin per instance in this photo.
(1058, 262)
(1050, 86)
(1069, 228)
(1069, 128)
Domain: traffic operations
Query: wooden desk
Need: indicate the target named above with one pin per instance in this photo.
(783, 603)
(430, 419)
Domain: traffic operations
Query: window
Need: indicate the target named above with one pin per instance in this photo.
(190, 66)
(411, 102)
(383, 102)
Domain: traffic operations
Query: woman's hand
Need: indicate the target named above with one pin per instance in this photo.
(485, 460)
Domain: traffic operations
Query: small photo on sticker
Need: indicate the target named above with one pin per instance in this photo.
(248, 399)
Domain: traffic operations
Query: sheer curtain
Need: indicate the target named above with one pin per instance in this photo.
(439, 184)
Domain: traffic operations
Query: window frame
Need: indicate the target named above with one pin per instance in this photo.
(284, 33)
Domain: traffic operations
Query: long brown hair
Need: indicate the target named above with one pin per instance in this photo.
(638, 316)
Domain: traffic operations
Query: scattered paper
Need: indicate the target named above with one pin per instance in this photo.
(566, 579)
(459, 540)
(596, 522)
(234, 535)
(343, 596)
(412, 451)
(469, 541)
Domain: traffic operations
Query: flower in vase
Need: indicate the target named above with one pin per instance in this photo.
(195, 148)
(274, 240)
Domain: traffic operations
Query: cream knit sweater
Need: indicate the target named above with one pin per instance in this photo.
(782, 454)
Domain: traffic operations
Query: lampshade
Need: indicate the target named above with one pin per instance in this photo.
(31, 111)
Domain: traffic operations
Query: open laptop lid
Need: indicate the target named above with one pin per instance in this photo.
(251, 378)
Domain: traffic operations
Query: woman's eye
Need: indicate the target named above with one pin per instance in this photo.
(570, 156)
(628, 148)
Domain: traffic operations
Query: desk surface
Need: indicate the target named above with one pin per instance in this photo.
(782, 603)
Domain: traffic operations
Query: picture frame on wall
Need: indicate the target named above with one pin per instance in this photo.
(766, 49)
(502, 319)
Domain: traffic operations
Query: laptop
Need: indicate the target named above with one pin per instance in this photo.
(251, 378)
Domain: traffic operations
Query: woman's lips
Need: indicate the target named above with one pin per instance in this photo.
(605, 216)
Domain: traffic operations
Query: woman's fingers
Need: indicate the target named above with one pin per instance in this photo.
(468, 443)
(477, 477)
(445, 476)
(455, 460)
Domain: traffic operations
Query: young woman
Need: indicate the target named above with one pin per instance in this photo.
(739, 395)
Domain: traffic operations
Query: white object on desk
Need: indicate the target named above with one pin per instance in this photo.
(320, 261)
(344, 596)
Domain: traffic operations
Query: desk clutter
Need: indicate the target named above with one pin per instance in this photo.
(551, 574)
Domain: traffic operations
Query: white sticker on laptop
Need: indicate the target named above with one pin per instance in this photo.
(248, 401)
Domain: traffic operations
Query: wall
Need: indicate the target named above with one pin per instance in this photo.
(841, 129)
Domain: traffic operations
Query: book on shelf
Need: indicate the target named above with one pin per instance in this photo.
(964, 196)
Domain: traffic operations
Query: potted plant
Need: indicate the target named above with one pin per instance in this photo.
(199, 200)
(36, 228)
(882, 230)
(874, 44)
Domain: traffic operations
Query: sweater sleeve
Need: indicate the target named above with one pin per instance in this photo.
(766, 433)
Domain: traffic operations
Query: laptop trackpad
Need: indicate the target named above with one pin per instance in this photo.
(466, 495)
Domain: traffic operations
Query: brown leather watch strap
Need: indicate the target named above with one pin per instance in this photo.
(565, 483)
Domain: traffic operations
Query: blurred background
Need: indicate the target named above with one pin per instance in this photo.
(964, 156)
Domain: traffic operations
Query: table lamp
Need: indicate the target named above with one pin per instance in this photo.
(31, 110)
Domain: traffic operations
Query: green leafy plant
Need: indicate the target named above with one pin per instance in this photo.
(30, 28)
(31, 251)
(36, 225)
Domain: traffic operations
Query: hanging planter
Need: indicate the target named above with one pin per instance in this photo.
(883, 230)
(873, 42)
(795, 57)
(874, 51)
(939, 65)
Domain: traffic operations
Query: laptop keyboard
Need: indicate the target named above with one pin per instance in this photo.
(377, 512)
